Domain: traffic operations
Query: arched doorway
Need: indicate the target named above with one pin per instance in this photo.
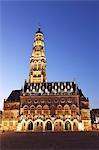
(58, 126)
(67, 126)
(48, 126)
(38, 126)
(75, 126)
(30, 126)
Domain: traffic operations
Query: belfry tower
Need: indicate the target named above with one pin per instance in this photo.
(38, 60)
(45, 106)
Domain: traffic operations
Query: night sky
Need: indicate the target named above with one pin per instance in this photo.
(71, 32)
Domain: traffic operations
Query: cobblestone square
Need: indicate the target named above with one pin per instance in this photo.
(50, 141)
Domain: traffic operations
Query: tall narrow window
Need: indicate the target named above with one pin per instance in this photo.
(35, 65)
(39, 66)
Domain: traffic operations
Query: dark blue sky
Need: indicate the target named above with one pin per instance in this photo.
(71, 31)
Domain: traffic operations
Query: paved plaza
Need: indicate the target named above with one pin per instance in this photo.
(49, 141)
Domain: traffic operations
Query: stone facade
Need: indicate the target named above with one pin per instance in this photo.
(45, 106)
(95, 119)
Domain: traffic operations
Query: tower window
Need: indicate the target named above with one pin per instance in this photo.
(39, 66)
(35, 65)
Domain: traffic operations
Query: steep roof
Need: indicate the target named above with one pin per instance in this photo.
(49, 88)
(14, 96)
(95, 110)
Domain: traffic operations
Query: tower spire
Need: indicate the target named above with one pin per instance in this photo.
(39, 29)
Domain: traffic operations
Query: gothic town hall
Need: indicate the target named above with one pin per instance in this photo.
(45, 106)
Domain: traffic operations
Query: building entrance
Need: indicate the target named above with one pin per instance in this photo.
(67, 126)
(38, 126)
(48, 126)
(30, 126)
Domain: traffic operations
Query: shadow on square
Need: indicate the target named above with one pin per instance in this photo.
(50, 140)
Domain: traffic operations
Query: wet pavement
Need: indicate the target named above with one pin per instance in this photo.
(49, 141)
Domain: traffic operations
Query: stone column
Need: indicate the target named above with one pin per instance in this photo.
(53, 127)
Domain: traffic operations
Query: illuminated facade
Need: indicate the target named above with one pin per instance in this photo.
(45, 106)
(95, 118)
